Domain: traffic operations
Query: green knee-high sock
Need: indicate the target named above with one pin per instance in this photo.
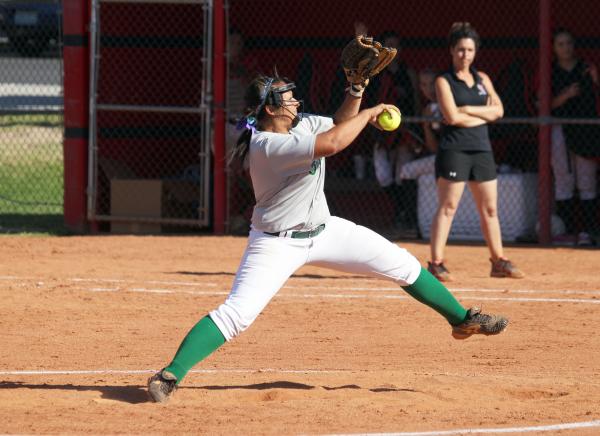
(428, 290)
(204, 338)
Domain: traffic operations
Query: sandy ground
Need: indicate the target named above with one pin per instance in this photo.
(86, 320)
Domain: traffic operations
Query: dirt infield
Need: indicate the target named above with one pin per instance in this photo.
(85, 321)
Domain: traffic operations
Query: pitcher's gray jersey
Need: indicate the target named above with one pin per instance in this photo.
(287, 179)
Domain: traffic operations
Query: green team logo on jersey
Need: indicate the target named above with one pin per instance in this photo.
(315, 166)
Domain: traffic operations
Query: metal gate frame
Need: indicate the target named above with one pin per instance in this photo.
(204, 110)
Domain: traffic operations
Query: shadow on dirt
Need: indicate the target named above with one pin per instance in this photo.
(138, 394)
(127, 394)
(305, 276)
(301, 386)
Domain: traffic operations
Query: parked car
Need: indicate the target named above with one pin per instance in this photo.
(31, 25)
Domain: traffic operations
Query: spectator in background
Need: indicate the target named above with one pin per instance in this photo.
(398, 81)
(432, 130)
(515, 145)
(240, 67)
(468, 102)
(396, 85)
(574, 147)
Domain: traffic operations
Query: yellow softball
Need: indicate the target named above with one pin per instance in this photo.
(389, 119)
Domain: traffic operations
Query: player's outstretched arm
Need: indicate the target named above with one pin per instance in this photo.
(341, 135)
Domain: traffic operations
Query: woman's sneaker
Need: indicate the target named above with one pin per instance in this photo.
(478, 323)
(161, 386)
(505, 268)
(439, 271)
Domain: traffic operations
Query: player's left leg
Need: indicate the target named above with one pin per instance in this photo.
(347, 247)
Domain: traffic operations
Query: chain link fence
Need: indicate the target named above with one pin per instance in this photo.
(151, 94)
(31, 120)
(150, 124)
(386, 180)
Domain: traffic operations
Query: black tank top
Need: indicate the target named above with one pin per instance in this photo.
(466, 138)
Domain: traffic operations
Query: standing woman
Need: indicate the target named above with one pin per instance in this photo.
(574, 146)
(468, 102)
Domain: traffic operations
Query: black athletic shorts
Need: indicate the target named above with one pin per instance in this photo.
(462, 166)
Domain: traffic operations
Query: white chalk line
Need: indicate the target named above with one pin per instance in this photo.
(110, 280)
(479, 290)
(153, 282)
(527, 291)
(537, 428)
(376, 290)
(103, 289)
(375, 295)
(361, 288)
(193, 371)
(325, 287)
(349, 296)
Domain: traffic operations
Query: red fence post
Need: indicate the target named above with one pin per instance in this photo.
(545, 97)
(219, 81)
(76, 116)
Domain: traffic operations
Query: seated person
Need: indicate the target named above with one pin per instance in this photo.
(392, 150)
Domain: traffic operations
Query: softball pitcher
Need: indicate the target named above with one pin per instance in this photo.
(292, 227)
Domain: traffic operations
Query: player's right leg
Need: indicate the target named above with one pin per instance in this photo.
(265, 266)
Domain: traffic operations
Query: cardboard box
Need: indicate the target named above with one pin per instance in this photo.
(151, 198)
(136, 198)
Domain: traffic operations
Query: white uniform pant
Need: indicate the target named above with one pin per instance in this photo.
(569, 168)
(269, 261)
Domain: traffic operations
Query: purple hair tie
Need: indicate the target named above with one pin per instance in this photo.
(247, 123)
